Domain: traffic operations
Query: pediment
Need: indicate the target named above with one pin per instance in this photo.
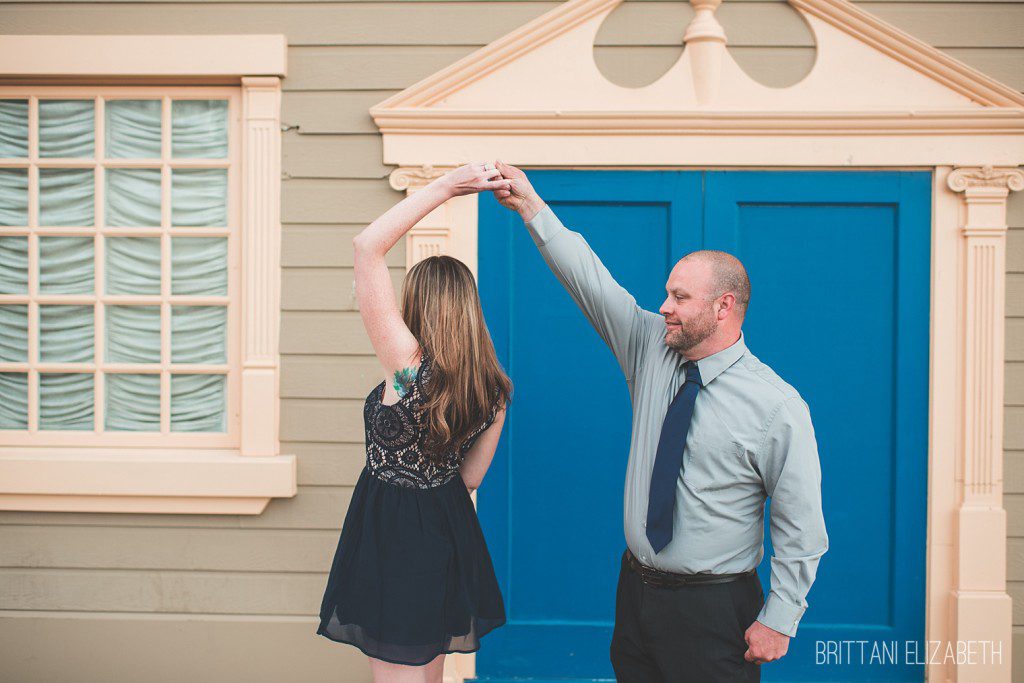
(543, 74)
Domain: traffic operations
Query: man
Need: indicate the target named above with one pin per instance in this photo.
(715, 431)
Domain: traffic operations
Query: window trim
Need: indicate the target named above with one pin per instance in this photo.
(180, 480)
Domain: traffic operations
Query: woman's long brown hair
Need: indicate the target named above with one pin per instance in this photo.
(441, 307)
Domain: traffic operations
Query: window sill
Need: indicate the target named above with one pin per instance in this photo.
(176, 481)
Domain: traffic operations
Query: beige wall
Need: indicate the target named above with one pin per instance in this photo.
(137, 597)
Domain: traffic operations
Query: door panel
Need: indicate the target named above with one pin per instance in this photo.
(839, 266)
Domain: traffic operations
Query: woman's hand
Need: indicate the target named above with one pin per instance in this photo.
(473, 177)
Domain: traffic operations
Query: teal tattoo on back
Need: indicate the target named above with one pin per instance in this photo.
(404, 380)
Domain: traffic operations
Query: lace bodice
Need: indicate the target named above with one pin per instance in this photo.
(395, 434)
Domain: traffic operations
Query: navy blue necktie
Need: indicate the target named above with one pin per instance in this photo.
(661, 503)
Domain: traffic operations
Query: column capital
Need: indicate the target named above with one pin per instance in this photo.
(415, 177)
(985, 179)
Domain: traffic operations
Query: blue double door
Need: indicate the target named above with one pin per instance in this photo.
(839, 266)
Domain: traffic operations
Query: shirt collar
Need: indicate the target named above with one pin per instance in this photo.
(712, 366)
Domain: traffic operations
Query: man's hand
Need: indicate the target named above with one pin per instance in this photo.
(764, 644)
(520, 195)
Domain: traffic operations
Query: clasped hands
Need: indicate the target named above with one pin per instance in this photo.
(508, 184)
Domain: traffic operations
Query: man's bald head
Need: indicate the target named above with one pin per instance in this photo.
(727, 275)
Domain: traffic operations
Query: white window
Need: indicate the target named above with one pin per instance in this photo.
(118, 266)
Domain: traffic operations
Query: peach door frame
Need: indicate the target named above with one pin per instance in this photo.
(906, 105)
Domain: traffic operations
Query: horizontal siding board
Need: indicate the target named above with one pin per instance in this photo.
(326, 289)
(1013, 383)
(109, 647)
(327, 463)
(137, 548)
(1014, 339)
(1015, 210)
(374, 67)
(367, 67)
(349, 377)
(336, 201)
(1013, 503)
(355, 155)
(1014, 248)
(942, 24)
(1013, 431)
(304, 332)
(305, 245)
(1013, 471)
(313, 507)
(342, 112)
(1015, 559)
(320, 419)
(280, 593)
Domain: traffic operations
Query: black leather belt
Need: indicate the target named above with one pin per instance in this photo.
(660, 579)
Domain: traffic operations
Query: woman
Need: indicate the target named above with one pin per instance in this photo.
(412, 579)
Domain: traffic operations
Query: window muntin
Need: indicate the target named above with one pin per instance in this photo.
(118, 266)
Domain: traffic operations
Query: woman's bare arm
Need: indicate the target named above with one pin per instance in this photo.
(394, 344)
(478, 459)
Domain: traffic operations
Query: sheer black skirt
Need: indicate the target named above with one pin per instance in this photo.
(412, 577)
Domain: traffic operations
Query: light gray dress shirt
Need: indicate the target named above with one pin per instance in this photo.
(750, 437)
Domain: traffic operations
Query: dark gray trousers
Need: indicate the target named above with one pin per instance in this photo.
(687, 634)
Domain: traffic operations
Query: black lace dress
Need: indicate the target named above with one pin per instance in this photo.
(412, 576)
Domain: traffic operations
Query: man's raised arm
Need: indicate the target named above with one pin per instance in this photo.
(612, 310)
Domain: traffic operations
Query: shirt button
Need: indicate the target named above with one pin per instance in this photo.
(643, 557)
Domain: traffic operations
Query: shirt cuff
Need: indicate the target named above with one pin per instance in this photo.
(780, 615)
(544, 225)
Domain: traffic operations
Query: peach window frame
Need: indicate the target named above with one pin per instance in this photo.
(242, 470)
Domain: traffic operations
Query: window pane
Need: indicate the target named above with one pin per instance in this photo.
(133, 265)
(14, 333)
(14, 128)
(66, 334)
(199, 128)
(13, 265)
(66, 264)
(66, 400)
(13, 196)
(197, 403)
(13, 400)
(199, 197)
(199, 265)
(66, 128)
(199, 334)
(66, 196)
(133, 129)
(133, 403)
(133, 334)
(133, 197)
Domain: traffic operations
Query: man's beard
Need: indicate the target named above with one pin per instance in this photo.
(692, 333)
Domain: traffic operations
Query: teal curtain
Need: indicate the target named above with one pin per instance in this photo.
(132, 264)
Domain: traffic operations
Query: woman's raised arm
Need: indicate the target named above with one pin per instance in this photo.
(392, 341)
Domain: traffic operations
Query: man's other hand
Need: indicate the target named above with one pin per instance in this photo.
(520, 196)
(764, 644)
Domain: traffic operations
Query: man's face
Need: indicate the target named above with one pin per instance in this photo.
(690, 317)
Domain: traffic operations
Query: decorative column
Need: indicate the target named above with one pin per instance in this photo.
(981, 608)
(261, 264)
(435, 234)
(432, 235)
